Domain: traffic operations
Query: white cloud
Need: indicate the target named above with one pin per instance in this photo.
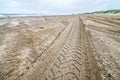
(59, 2)
(14, 3)
(57, 6)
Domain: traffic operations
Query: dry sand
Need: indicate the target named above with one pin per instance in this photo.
(74, 47)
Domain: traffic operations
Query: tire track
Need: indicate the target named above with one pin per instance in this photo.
(72, 62)
(106, 22)
(111, 34)
(48, 55)
(64, 59)
(31, 58)
(76, 51)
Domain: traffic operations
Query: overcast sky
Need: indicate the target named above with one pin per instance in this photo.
(56, 6)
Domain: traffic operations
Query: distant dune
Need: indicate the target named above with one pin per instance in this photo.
(117, 11)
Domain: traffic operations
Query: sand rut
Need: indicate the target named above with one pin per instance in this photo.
(77, 47)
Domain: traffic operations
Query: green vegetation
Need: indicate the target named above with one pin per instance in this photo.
(107, 12)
